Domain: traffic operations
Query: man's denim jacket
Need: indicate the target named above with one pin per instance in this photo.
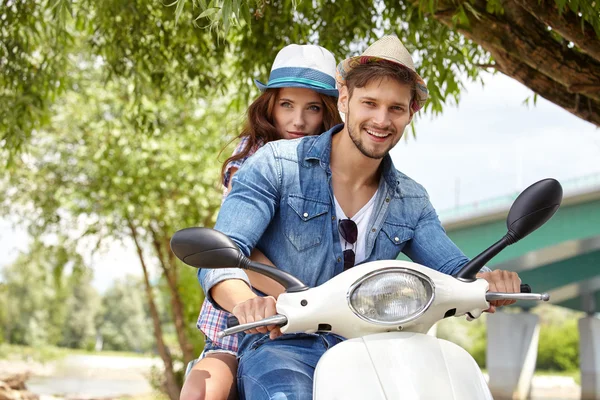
(281, 202)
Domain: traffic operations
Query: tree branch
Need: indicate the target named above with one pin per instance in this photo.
(577, 104)
(527, 39)
(485, 66)
(567, 24)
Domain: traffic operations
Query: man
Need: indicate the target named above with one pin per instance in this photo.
(321, 204)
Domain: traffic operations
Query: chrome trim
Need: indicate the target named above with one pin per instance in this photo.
(387, 270)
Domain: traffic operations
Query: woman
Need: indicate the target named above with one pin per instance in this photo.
(300, 99)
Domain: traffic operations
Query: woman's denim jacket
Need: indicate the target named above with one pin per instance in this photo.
(282, 203)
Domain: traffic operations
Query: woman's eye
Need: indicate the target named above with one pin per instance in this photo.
(314, 108)
(369, 103)
(286, 104)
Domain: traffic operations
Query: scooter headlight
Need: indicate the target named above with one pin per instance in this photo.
(391, 296)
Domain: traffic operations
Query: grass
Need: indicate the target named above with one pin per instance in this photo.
(25, 353)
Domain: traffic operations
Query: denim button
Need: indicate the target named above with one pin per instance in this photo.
(305, 215)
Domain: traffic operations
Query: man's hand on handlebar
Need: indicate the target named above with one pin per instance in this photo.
(501, 281)
(256, 309)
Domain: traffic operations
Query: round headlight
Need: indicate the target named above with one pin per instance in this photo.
(391, 296)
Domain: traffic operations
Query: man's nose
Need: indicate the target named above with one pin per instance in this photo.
(382, 118)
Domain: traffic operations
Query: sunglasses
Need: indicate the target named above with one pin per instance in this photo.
(349, 232)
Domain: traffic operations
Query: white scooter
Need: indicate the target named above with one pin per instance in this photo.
(385, 309)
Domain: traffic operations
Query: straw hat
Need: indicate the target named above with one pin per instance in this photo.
(390, 49)
(303, 66)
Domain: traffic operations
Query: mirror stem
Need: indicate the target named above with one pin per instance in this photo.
(470, 269)
(289, 282)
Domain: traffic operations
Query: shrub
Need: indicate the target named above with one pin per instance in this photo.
(558, 348)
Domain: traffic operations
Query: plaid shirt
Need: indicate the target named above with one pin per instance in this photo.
(212, 320)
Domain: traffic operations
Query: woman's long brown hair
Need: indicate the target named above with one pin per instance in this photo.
(259, 125)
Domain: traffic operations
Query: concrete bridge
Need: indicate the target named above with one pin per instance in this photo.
(562, 258)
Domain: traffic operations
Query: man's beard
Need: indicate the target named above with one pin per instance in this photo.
(360, 146)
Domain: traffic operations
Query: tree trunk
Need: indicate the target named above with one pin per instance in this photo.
(524, 49)
(171, 387)
(176, 304)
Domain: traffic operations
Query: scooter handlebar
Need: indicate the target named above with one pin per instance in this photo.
(525, 288)
(276, 319)
(491, 296)
(524, 295)
(233, 324)
(232, 321)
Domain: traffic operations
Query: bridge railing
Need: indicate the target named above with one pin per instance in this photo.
(571, 187)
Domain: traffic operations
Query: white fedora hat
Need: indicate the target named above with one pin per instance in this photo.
(303, 66)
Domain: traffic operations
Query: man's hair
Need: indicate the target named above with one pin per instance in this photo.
(363, 74)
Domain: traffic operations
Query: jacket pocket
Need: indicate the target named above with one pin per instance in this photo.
(392, 239)
(305, 221)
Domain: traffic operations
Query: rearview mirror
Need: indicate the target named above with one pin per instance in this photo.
(206, 248)
(532, 208)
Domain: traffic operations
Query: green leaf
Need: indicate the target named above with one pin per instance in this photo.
(561, 5)
(245, 11)
(472, 10)
(226, 14)
(179, 9)
(236, 7)
(207, 13)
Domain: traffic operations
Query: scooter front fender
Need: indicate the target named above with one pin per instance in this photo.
(398, 365)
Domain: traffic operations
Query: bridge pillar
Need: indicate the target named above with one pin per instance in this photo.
(512, 343)
(589, 351)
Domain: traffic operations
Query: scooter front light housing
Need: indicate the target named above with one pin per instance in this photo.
(391, 296)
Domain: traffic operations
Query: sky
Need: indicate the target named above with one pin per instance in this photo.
(489, 145)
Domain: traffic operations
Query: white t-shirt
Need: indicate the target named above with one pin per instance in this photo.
(361, 219)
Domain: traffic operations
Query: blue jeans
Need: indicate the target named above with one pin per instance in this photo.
(280, 369)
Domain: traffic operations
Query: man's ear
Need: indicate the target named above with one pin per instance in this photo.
(411, 110)
(343, 99)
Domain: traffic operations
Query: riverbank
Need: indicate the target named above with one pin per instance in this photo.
(76, 375)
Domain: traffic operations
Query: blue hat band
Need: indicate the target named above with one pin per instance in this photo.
(308, 82)
(306, 76)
